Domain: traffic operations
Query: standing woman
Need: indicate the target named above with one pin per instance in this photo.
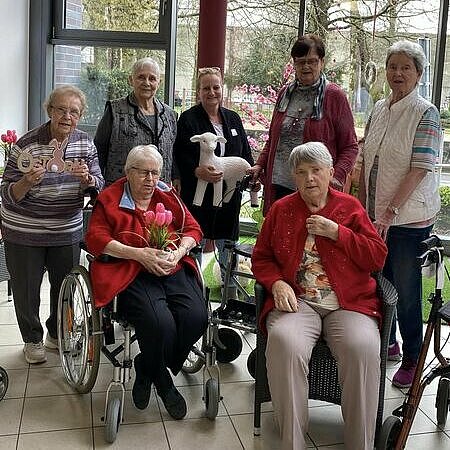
(209, 115)
(42, 212)
(308, 109)
(137, 119)
(399, 189)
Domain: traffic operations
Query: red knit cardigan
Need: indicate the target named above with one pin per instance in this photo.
(348, 262)
(336, 130)
(109, 221)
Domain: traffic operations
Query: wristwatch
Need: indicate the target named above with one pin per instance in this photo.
(394, 210)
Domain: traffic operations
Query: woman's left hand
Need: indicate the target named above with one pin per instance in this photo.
(322, 226)
(81, 171)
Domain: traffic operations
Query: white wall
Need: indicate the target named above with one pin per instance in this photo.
(13, 65)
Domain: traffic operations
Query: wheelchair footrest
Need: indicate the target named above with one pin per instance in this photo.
(238, 312)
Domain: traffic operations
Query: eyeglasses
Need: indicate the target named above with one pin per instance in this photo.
(311, 62)
(73, 113)
(143, 173)
(209, 70)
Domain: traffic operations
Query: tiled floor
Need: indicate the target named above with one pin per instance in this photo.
(41, 412)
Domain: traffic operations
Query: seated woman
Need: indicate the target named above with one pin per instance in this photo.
(314, 255)
(158, 290)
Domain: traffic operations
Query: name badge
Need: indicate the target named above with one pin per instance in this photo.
(233, 132)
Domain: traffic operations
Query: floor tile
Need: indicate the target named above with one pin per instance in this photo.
(10, 335)
(57, 440)
(10, 412)
(7, 315)
(202, 434)
(148, 436)
(17, 379)
(11, 357)
(56, 413)
(44, 381)
(326, 426)
(8, 442)
(430, 441)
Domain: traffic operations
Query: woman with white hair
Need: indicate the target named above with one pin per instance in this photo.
(314, 256)
(157, 285)
(399, 189)
(137, 119)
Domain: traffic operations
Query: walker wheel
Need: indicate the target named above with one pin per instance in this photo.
(389, 433)
(232, 344)
(112, 420)
(212, 398)
(3, 382)
(251, 363)
(442, 400)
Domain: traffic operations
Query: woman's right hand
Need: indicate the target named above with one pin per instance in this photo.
(34, 176)
(155, 261)
(209, 174)
(284, 297)
(255, 171)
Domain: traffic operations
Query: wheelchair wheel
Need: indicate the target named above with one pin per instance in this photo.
(194, 361)
(3, 382)
(442, 400)
(389, 433)
(78, 331)
(112, 419)
(212, 398)
(251, 363)
(232, 343)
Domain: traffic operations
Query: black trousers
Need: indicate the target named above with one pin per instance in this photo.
(281, 191)
(168, 314)
(26, 265)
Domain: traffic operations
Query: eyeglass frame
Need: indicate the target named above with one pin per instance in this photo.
(311, 62)
(63, 111)
(144, 173)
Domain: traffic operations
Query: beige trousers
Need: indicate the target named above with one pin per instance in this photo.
(354, 341)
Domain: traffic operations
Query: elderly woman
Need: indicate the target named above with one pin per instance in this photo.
(209, 115)
(42, 197)
(137, 119)
(157, 286)
(399, 188)
(314, 256)
(308, 109)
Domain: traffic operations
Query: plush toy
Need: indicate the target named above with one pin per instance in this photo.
(233, 168)
(244, 266)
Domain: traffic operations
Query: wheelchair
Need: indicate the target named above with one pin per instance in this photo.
(4, 381)
(395, 430)
(85, 332)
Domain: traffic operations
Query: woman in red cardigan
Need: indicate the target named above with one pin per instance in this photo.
(308, 109)
(158, 290)
(314, 256)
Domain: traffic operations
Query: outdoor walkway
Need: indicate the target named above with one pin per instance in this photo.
(41, 412)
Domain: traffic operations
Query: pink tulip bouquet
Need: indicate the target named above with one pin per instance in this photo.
(157, 223)
(7, 142)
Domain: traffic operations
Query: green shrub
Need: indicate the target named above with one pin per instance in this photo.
(444, 192)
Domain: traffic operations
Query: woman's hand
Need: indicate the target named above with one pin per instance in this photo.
(81, 171)
(209, 174)
(34, 176)
(322, 226)
(255, 171)
(157, 262)
(383, 223)
(284, 297)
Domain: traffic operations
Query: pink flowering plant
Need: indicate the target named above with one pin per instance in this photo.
(7, 142)
(157, 225)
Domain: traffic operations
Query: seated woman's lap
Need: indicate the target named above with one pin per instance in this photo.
(169, 315)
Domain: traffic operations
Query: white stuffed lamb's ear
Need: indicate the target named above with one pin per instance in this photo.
(196, 138)
(221, 139)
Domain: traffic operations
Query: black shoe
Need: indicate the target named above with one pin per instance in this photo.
(174, 403)
(142, 387)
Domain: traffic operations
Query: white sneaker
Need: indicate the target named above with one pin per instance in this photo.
(51, 343)
(34, 353)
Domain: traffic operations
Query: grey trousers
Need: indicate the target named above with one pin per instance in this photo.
(354, 341)
(26, 266)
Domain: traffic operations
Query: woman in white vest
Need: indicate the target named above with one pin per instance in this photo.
(399, 189)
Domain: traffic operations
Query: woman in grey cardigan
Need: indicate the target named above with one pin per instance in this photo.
(137, 119)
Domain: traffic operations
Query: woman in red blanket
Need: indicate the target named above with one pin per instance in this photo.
(314, 256)
(157, 286)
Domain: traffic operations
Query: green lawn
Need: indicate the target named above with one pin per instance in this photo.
(428, 287)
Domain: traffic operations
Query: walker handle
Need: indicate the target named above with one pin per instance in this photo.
(432, 241)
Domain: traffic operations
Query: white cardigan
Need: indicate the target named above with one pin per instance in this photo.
(391, 136)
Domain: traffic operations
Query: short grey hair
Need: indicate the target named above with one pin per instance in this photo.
(411, 50)
(311, 152)
(141, 63)
(62, 91)
(142, 153)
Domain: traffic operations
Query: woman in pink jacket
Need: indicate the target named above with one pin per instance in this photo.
(314, 256)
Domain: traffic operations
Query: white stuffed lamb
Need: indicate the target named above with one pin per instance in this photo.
(233, 168)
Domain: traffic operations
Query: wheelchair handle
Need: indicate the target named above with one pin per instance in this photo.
(428, 244)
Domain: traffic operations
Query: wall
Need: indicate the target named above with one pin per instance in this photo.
(14, 65)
